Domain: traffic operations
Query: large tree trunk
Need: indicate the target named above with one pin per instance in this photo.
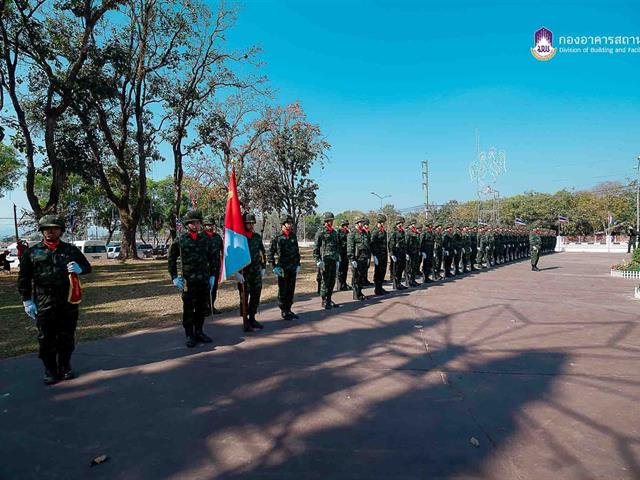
(128, 226)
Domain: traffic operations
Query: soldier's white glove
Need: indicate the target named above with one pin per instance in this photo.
(278, 271)
(320, 264)
(446, 253)
(463, 250)
(338, 265)
(375, 260)
(239, 277)
(393, 257)
(298, 269)
(179, 282)
(354, 264)
(212, 282)
(73, 267)
(424, 255)
(263, 272)
(408, 257)
(30, 308)
(535, 248)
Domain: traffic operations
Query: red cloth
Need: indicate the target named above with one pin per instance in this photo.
(75, 290)
(381, 229)
(344, 230)
(286, 232)
(249, 234)
(359, 229)
(400, 229)
(329, 228)
(209, 233)
(414, 229)
(51, 245)
(193, 235)
(366, 229)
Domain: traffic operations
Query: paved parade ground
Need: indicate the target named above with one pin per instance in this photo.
(504, 374)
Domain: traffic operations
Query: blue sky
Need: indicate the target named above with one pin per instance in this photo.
(394, 83)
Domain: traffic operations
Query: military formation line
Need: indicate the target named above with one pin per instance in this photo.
(50, 291)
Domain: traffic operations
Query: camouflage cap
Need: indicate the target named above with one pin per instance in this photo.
(412, 221)
(359, 220)
(344, 222)
(209, 220)
(192, 216)
(381, 218)
(326, 216)
(366, 220)
(51, 221)
(249, 218)
(286, 219)
(399, 220)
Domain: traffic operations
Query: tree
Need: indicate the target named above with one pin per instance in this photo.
(293, 147)
(10, 167)
(189, 92)
(127, 62)
(43, 50)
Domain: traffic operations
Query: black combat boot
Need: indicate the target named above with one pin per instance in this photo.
(64, 366)
(293, 315)
(50, 370)
(285, 315)
(203, 337)
(254, 323)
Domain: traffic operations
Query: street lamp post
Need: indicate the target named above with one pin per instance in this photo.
(381, 197)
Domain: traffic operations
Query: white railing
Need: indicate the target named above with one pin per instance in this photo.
(625, 273)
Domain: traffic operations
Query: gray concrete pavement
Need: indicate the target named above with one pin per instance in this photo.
(540, 368)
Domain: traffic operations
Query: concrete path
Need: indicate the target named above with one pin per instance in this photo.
(505, 374)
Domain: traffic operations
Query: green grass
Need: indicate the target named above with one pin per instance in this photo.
(122, 297)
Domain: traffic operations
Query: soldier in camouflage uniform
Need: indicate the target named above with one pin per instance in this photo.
(367, 222)
(448, 247)
(359, 252)
(437, 252)
(197, 277)
(535, 243)
(44, 284)
(473, 246)
(379, 253)
(343, 233)
(398, 250)
(284, 256)
(250, 277)
(327, 256)
(412, 239)
(491, 247)
(466, 249)
(216, 245)
(457, 249)
(426, 251)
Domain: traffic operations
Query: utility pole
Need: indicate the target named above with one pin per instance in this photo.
(425, 186)
(15, 221)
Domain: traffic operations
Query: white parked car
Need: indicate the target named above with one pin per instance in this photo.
(113, 251)
(144, 250)
(12, 258)
(92, 249)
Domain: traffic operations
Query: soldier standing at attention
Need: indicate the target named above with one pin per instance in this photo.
(437, 252)
(197, 277)
(359, 252)
(50, 296)
(216, 245)
(473, 245)
(447, 250)
(535, 243)
(631, 243)
(366, 224)
(250, 277)
(327, 256)
(457, 249)
(426, 248)
(343, 233)
(284, 256)
(398, 250)
(379, 253)
(413, 252)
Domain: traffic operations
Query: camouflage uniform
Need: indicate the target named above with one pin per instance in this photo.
(216, 245)
(367, 222)
(448, 247)
(327, 256)
(196, 253)
(252, 274)
(359, 252)
(44, 278)
(535, 243)
(437, 252)
(427, 247)
(343, 233)
(458, 246)
(379, 252)
(412, 239)
(285, 254)
(398, 249)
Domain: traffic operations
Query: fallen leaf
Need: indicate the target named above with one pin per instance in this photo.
(99, 459)
(474, 441)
